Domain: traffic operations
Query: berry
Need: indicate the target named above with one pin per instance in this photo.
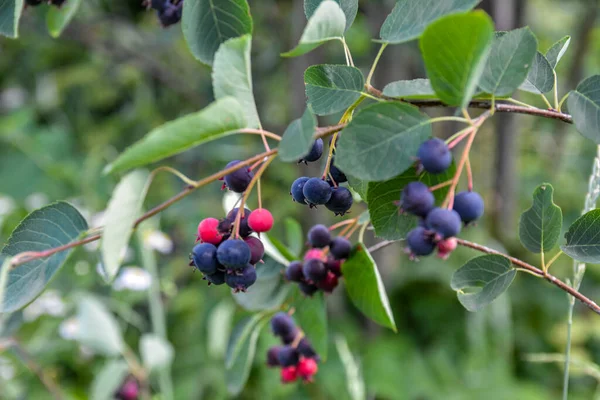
(171, 14)
(445, 223)
(257, 249)
(57, 3)
(296, 189)
(272, 356)
(307, 288)
(260, 220)
(420, 242)
(157, 5)
(282, 324)
(130, 390)
(316, 191)
(239, 180)
(227, 224)
(234, 254)
(204, 256)
(340, 248)
(445, 247)
(288, 356)
(33, 3)
(288, 374)
(208, 231)
(314, 270)
(241, 282)
(469, 205)
(319, 236)
(307, 367)
(305, 349)
(218, 278)
(315, 152)
(329, 283)
(435, 156)
(294, 272)
(314, 253)
(289, 338)
(337, 175)
(417, 199)
(340, 201)
(334, 266)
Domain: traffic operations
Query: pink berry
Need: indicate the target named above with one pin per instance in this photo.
(307, 367)
(314, 253)
(260, 220)
(447, 245)
(208, 232)
(289, 374)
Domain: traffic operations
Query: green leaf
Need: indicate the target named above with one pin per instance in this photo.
(332, 88)
(5, 262)
(409, 18)
(359, 186)
(540, 78)
(355, 382)
(311, 316)
(557, 50)
(237, 374)
(328, 22)
(381, 197)
(49, 227)
(413, 89)
(584, 106)
(485, 278)
(282, 248)
(509, 61)
(97, 327)
(365, 287)
(208, 23)
(455, 49)
(294, 237)
(232, 75)
(540, 225)
(382, 141)
(349, 7)
(10, 13)
(57, 19)
(108, 381)
(268, 292)
(583, 238)
(239, 335)
(124, 207)
(156, 352)
(223, 117)
(297, 139)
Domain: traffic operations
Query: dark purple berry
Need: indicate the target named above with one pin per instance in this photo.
(242, 281)
(257, 249)
(289, 338)
(319, 236)
(296, 189)
(218, 278)
(239, 180)
(337, 175)
(294, 272)
(469, 205)
(435, 156)
(226, 225)
(340, 201)
(288, 356)
(420, 242)
(273, 356)
(316, 191)
(171, 13)
(314, 270)
(305, 349)
(340, 248)
(417, 199)
(157, 5)
(282, 324)
(233, 254)
(307, 288)
(57, 3)
(315, 152)
(33, 3)
(445, 223)
(204, 256)
(334, 266)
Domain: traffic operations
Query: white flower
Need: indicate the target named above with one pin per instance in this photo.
(36, 200)
(49, 303)
(159, 241)
(69, 328)
(133, 278)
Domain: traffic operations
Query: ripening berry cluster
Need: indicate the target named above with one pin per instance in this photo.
(296, 358)
(168, 11)
(317, 191)
(437, 226)
(56, 3)
(322, 265)
(223, 259)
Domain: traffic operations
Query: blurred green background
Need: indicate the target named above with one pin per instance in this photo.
(68, 106)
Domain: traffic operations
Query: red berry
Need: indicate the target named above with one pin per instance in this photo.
(446, 246)
(329, 283)
(260, 220)
(307, 367)
(314, 253)
(289, 374)
(207, 231)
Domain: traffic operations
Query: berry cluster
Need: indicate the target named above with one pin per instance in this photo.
(317, 191)
(438, 226)
(296, 357)
(223, 259)
(56, 3)
(129, 390)
(168, 11)
(322, 264)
